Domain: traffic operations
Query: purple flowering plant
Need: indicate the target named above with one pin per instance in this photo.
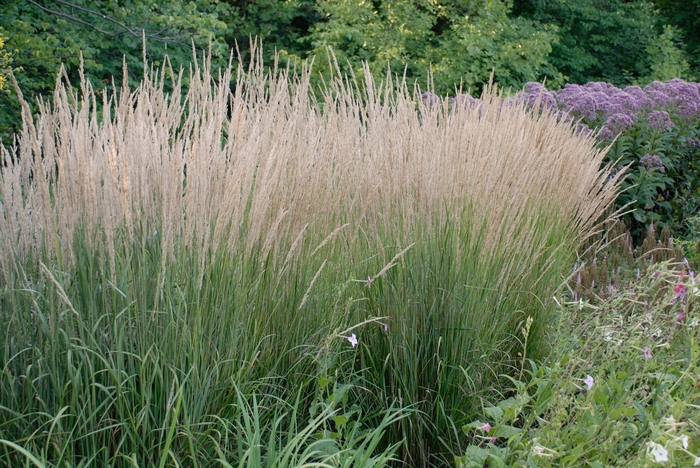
(655, 130)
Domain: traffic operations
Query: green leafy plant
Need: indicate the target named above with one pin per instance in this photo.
(621, 389)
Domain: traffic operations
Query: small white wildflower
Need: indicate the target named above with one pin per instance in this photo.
(659, 453)
(684, 441)
(589, 382)
(671, 423)
(352, 339)
(697, 461)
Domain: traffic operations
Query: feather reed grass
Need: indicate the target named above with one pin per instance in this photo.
(197, 246)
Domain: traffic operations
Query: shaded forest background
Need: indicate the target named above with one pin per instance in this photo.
(459, 41)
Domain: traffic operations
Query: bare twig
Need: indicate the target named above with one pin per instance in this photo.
(125, 29)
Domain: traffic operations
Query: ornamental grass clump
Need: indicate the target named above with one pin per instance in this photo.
(171, 262)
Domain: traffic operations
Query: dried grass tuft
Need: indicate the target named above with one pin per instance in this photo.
(253, 167)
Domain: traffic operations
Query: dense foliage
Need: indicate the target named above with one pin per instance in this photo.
(622, 388)
(683, 14)
(102, 35)
(597, 40)
(460, 43)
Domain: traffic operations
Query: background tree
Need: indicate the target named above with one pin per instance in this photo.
(5, 60)
(599, 40)
(280, 25)
(463, 42)
(667, 57)
(685, 15)
(483, 37)
(43, 34)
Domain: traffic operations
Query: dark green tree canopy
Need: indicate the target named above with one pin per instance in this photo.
(452, 43)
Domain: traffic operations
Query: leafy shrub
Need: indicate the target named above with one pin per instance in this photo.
(5, 61)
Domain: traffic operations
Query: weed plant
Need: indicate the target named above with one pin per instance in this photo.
(242, 277)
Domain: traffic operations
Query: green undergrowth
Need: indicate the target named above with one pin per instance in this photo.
(357, 352)
(621, 388)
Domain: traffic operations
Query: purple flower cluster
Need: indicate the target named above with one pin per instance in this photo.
(602, 105)
(616, 123)
(430, 100)
(599, 100)
(535, 93)
(651, 162)
(660, 120)
(612, 109)
(681, 96)
(464, 101)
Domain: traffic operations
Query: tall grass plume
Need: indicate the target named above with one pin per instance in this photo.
(211, 241)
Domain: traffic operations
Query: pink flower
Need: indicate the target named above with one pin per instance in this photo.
(647, 353)
(493, 440)
(486, 427)
(352, 339)
(588, 381)
(680, 316)
(679, 290)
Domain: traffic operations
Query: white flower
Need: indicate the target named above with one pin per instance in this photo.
(697, 461)
(659, 453)
(540, 451)
(671, 423)
(589, 382)
(352, 339)
(684, 440)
